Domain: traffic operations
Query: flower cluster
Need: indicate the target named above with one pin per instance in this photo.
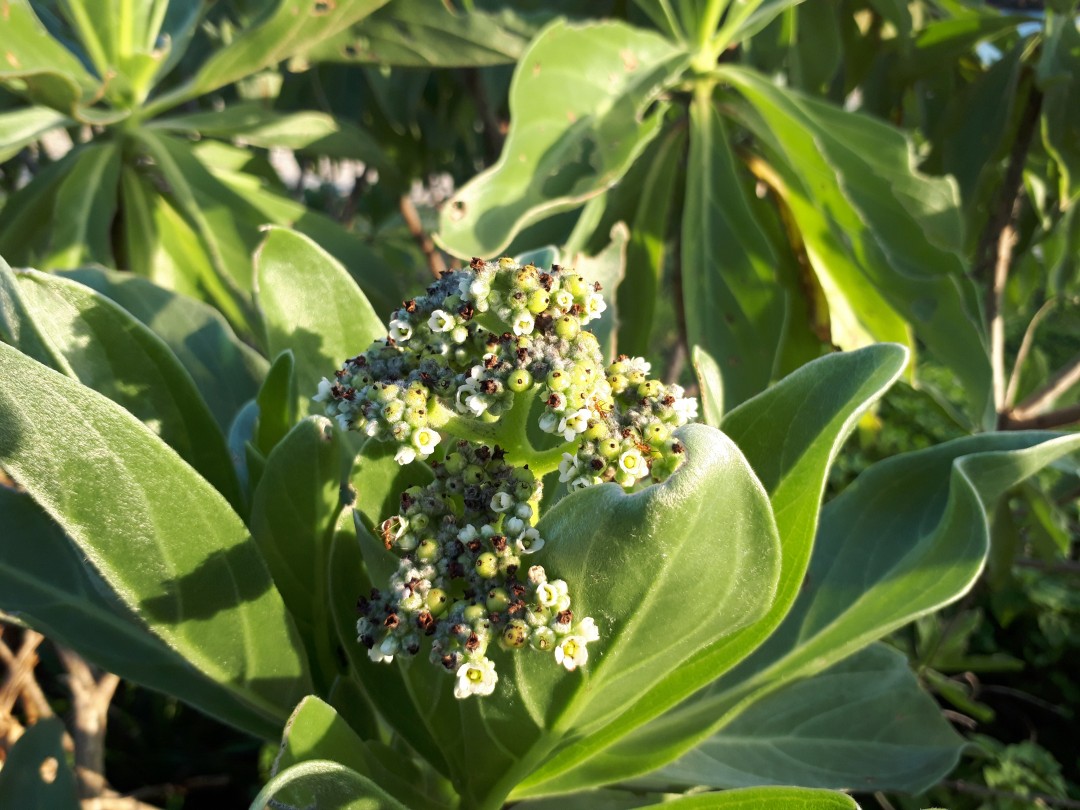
(462, 581)
(484, 353)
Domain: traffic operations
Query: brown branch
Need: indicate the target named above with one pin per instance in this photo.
(995, 299)
(1010, 186)
(993, 793)
(1043, 421)
(34, 702)
(416, 228)
(114, 803)
(91, 696)
(1060, 381)
(20, 673)
(492, 130)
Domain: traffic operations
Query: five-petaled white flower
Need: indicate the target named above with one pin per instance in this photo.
(424, 440)
(524, 323)
(574, 424)
(572, 652)
(476, 678)
(633, 463)
(400, 329)
(441, 321)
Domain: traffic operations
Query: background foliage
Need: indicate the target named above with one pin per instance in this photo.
(758, 184)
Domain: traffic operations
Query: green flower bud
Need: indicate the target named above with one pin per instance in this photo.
(558, 380)
(609, 448)
(454, 464)
(519, 380)
(542, 638)
(415, 417)
(575, 285)
(474, 613)
(650, 389)
(487, 565)
(515, 635)
(498, 600)
(618, 383)
(393, 411)
(428, 550)
(437, 601)
(538, 301)
(567, 327)
(473, 475)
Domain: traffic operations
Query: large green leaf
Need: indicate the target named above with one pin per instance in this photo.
(36, 775)
(864, 211)
(277, 400)
(53, 75)
(226, 370)
(313, 307)
(573, 132)
(293, 514)
(25, 125)
(1058, 78)
(316, 731)
(287, 28)
(328, 786)
(159, 534)
(106, 349)
(792, 462)
(927, 513)
(734, 307)
(638, 590)
(45, 581)
(18, 328)
(766, 798)
(862, 724)
(84, 209)
(253, 123)
(426, 33)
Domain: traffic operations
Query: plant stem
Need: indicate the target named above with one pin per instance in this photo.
(994, 302)
(1025, 350)
(412, 221)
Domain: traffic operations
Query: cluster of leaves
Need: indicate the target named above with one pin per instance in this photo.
(785, 217)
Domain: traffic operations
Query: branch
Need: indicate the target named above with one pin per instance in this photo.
(1043, 421)
(34, 702)
(1025, 350)
(114, 803)
(995, 298)
(412, 222)
(1061, 381)
(91, 697)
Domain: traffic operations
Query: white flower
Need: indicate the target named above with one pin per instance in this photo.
(343, 421)
(324, 390)
(574, 424)
(474, 402)
(563, 300)
(479, 287)
(557, 402)
(568, 468)
(583, 481)
(371, 428)
(441, 321)
(572, 652)
(384, 653)
(523, 511)
(547, 595)
(467, 534)
(501, 501)
(588, 630)
(515, 525)
(637, 364)
(594, 308)
(405, 455)
(524, 323)
(424, 440)
(529, 542)
(633, 463)
(686, 409)
(400, 329)
(548, 422)
(476, 678)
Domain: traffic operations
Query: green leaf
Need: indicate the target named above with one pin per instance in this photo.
(862, 724)
(106, 349)
(45, 581)
(330, 786)
(897, 231)
(20, 127)
(647, 251)
(569, 138)
(226, 370)
(52, 74)
(288, 28)
(711, 384)
(315, 731)
(313, 307)
(277, 403)
(1057, 77)
(84, 209)
(293, 514)
(379, 481)
(766, 798)
(36, 775)
(26, 216)
(427, 33)
(793, 465)
(940, 43)
(607, 269)
(196, 578)
(733, 306)
(254, 124)
(247, 461)
(17, 327)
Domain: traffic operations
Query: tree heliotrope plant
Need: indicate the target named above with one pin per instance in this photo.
(485, 354)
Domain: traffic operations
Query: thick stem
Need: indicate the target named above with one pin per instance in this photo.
(412, 221)
(91, 697)
(994, 301)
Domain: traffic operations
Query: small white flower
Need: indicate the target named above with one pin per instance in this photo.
(547, 595)
(572, 652)
(633, 463)
(568, 468)
(400, 329)
(574, 424)
(324, 390)
(479, 287)
(460, 334)
(588, 630)
(637, 364)
(548, 422)
(441, 321)
(582, 482)
(375, 654)
(476, 678)
(529, 542)
(686, 409)
(515, 525)
(501, 501)
(424, 440)
(524, 323)
(523, 511)
(594, 307)
(467, 534)
(343, 421)
(563, 300)
(384, 653)
(405, 455)
(371, 428)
